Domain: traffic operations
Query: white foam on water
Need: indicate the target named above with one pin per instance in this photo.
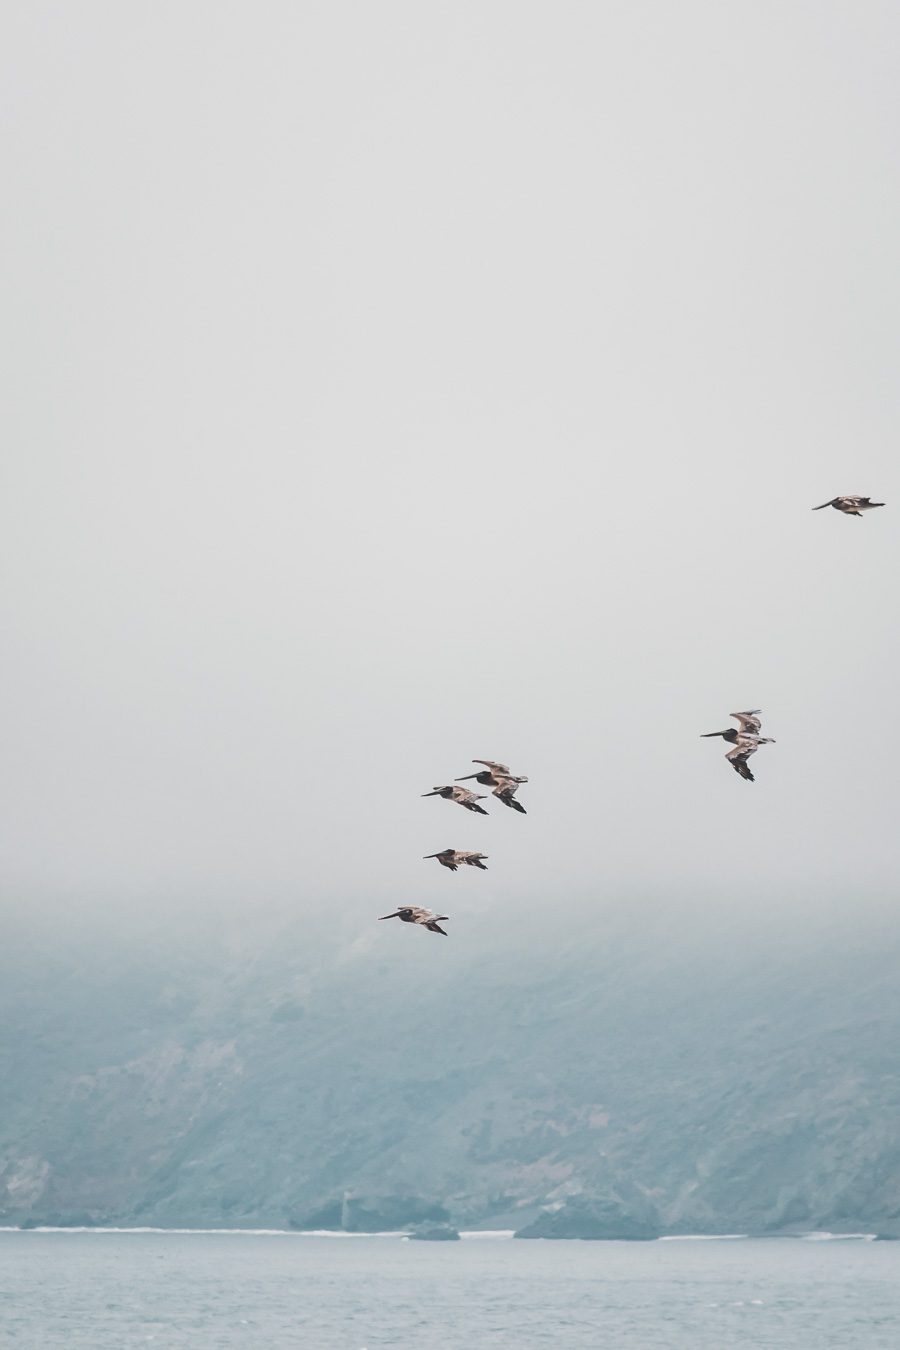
(337, 1233)
(703, 1237)
(838, 1237)
(474, 1235)
(206, 1232)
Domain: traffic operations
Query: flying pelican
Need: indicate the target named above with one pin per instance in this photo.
(745, 739)
(498, 778)
(465, 798)
(501, 770)
(492, 775)
(851, 506)
(416, 914)
(452, 857)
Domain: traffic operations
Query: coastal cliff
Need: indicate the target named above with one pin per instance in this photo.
(603, 1085)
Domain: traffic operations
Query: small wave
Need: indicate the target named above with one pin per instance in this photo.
(476, 1234)
(201, 1232)
(339, 1233)
(703, 1237)
(838, 1237)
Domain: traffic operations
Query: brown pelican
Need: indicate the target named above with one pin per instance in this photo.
(465, 798)
(452, 857)
(745, 739)
(851, 506)
(416, 914)
(492, 775)
(498, 778)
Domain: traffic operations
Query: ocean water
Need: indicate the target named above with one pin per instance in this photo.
(111, 1290)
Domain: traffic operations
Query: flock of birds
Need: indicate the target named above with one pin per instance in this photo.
(504, 785)
(745, 740)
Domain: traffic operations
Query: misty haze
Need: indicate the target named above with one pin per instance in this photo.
(390, 387)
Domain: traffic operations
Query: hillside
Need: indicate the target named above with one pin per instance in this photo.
(662, 1073)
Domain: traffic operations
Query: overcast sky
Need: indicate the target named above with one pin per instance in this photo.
(392, 384)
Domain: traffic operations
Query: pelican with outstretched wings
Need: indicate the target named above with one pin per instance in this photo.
(493, 775)
(500, 770)
(416, 914)
(851, 506)
(503, 783)
(744, 739)
(455, 857)
(451, 793)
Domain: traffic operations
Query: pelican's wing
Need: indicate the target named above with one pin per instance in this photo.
(506, 791)
(419, 914)
(748, 720)
(493, 765)
(738, 758)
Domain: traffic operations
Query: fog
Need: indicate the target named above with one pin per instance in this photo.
(392, 385)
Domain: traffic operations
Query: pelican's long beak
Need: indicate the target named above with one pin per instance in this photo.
(464, 777)
(712, 733)
(430, 855)
(429, 794)
(395, 915)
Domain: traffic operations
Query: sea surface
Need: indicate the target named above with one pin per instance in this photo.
(110, 1290)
